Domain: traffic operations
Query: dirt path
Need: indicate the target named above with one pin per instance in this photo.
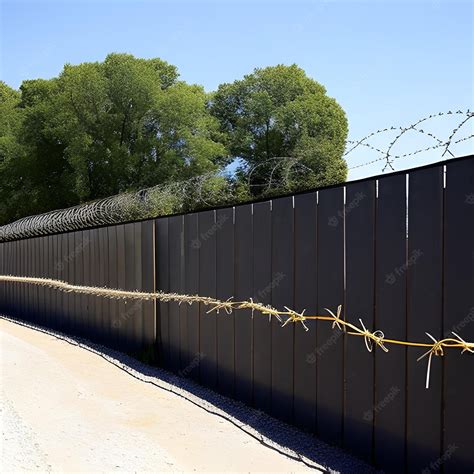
(65, 409)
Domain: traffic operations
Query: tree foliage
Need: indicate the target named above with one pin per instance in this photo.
(279, 112)
(11, 152)
(126, 123)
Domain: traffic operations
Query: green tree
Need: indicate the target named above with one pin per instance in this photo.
(284, 128)
(103, 128)
(11, 152)
(46, 175)
(100, 129)
(129, 123)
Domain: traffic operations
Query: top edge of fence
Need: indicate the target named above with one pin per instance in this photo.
(73, 228)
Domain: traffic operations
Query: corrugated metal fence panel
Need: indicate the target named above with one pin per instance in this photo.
(63, 272)
(330, 370)
(224, 290)
(162, 284)
(283, 338)
(424, 314)
(243, 272)
(390, 374)
(185, 358)
(3, 272)
(51, 294)
(207, 286)
(305, 281)
(310, 251)
(148, 284)
(6, 270)
(262, 292)
(120, 319)
(191, 286)
(113, 304)
(104, 281)
(78, 268)
(95, 281)
(54, 310)
(130, 322)
(174, 248)
(458, 441)
(359, 220)
(41, 290)
(19, 288)
(9, 286)
(13, 271)
(138, 317)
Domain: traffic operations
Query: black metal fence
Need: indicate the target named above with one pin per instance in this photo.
(396, 251)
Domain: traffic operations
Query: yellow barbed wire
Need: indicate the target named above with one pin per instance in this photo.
(377, 337)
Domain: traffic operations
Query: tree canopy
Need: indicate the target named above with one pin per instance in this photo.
(277, 113)
(127, 123)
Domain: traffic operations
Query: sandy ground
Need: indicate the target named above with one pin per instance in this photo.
(84, 408)
(65, 409)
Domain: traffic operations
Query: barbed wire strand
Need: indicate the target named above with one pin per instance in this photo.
(285, 317)
(386, 154)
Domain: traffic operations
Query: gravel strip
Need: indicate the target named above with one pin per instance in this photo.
(20, 449)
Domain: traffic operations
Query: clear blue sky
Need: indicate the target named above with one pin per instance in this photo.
(386, 62)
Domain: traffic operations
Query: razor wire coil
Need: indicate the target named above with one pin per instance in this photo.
(151, 202)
